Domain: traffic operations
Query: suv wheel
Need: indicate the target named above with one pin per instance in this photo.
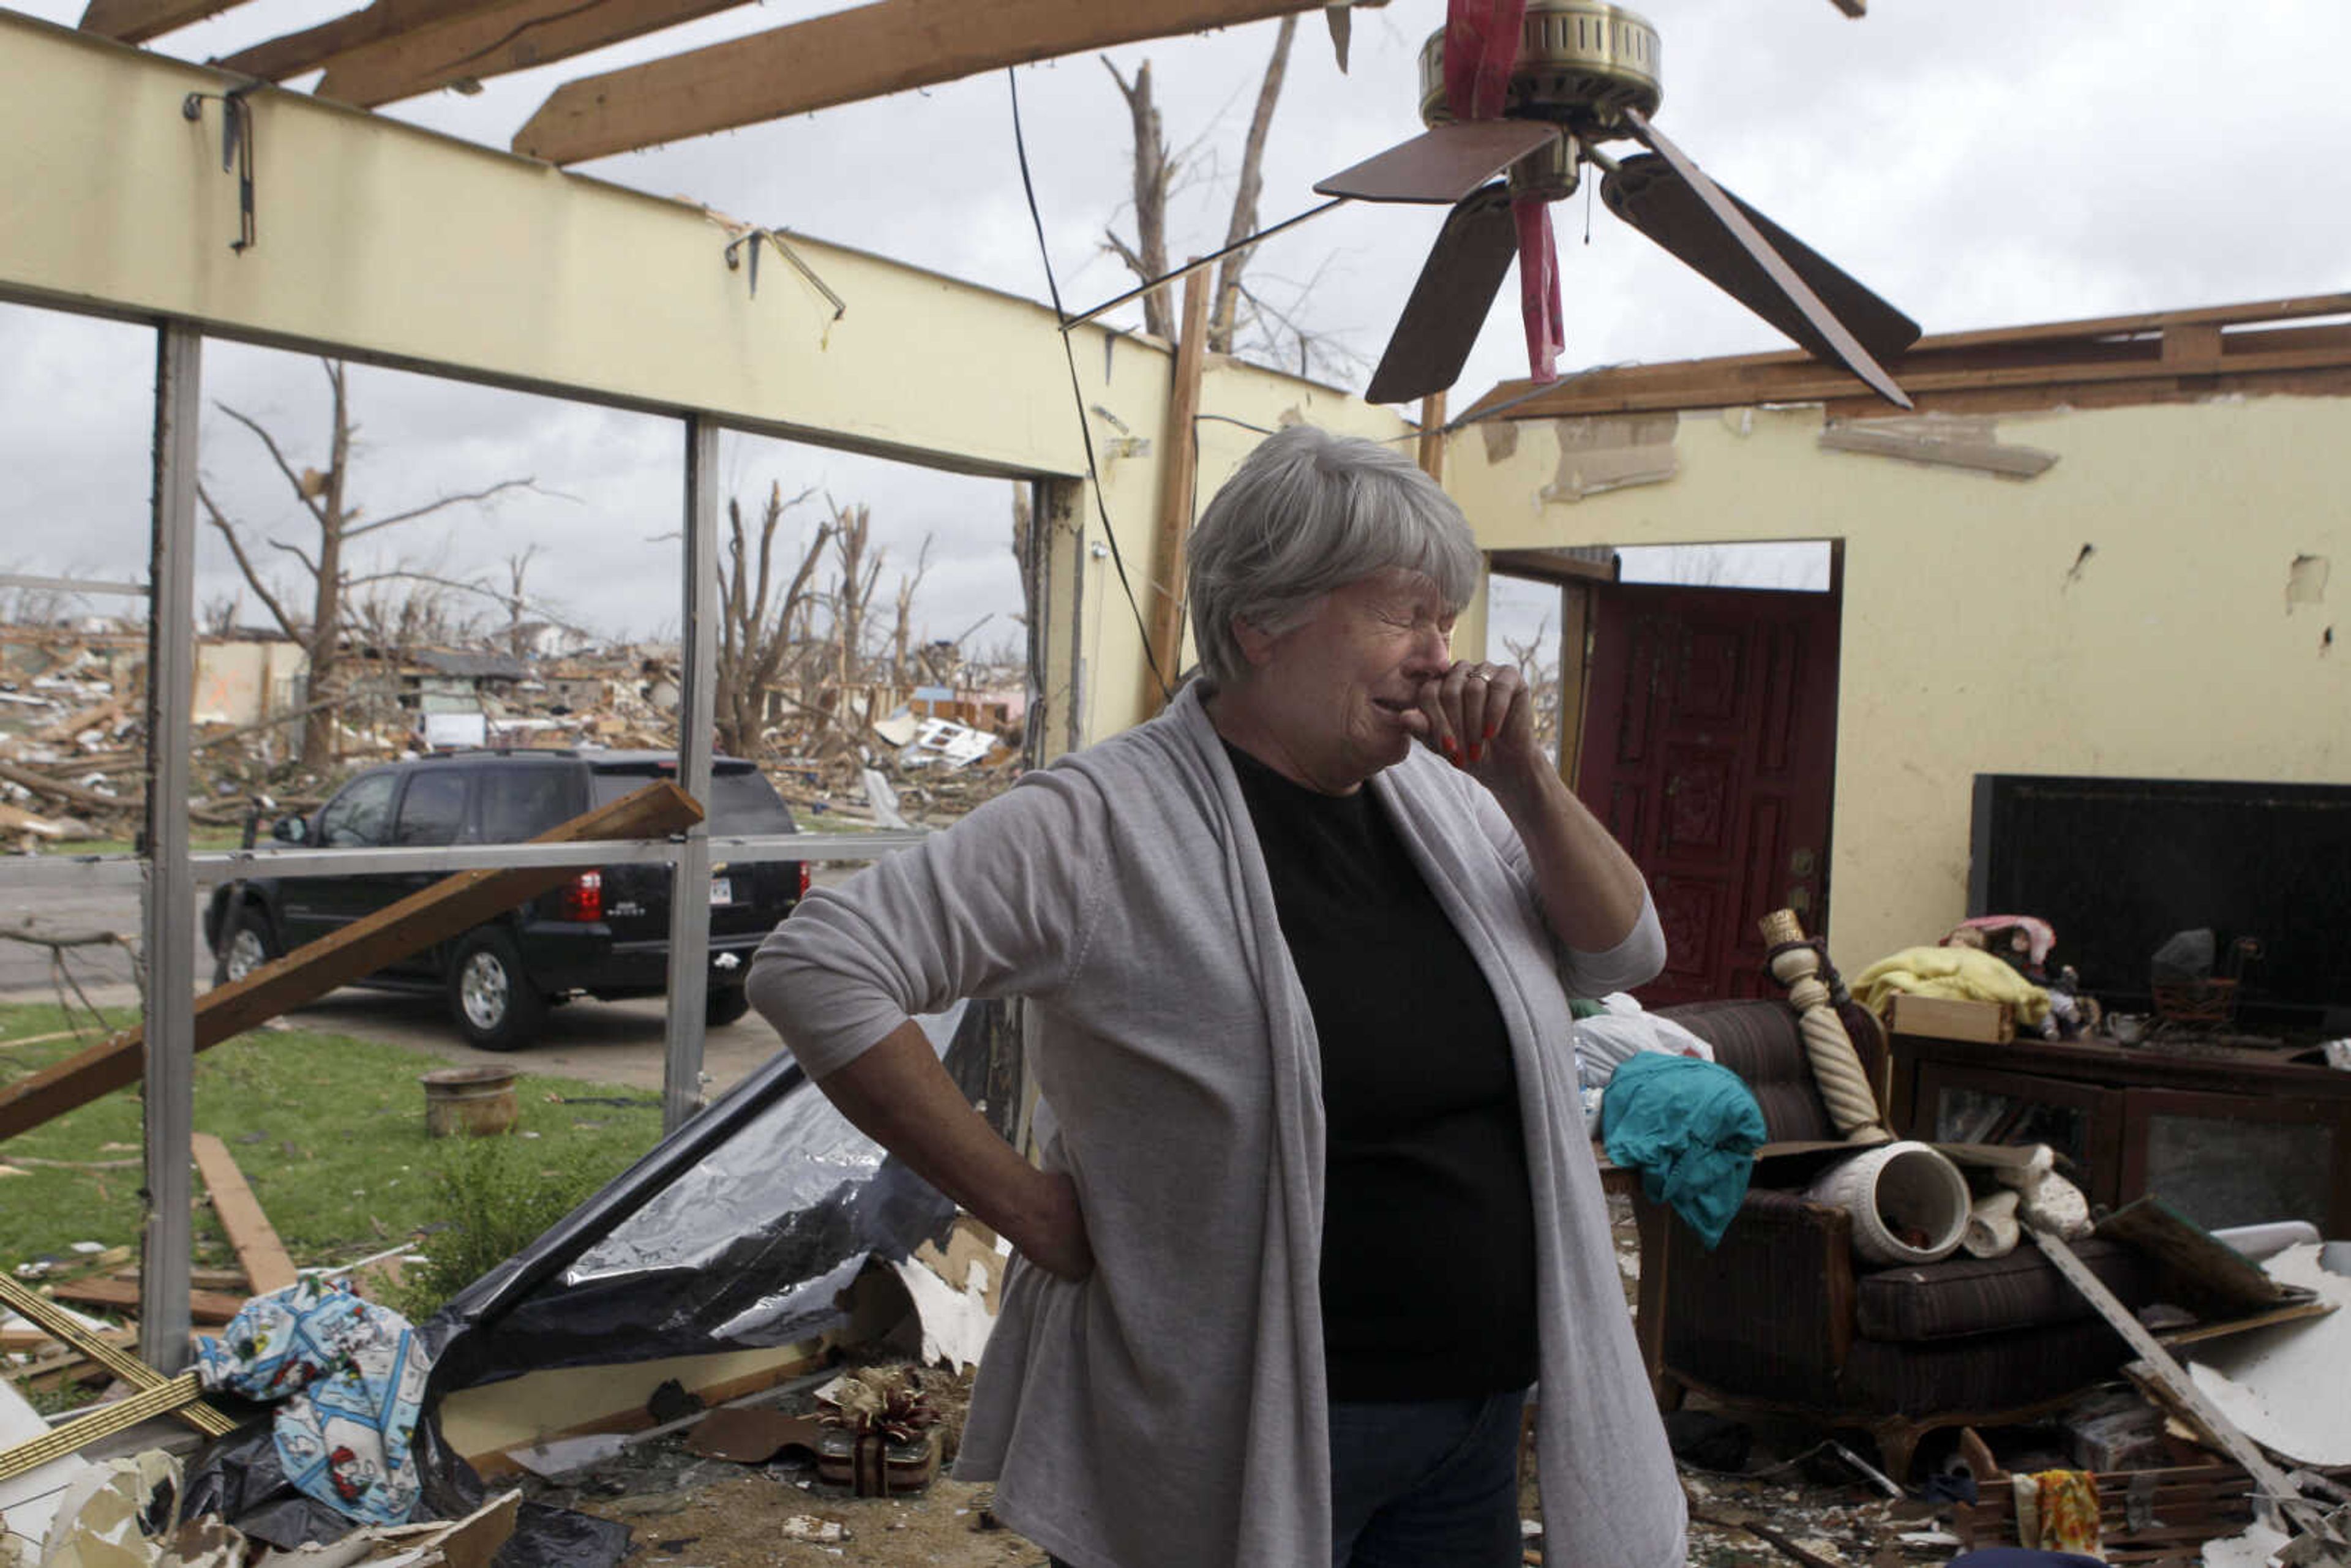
(491, 999)
(248, 945)
(723, 1007)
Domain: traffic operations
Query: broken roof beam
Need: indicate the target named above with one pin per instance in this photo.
(845, 56)
(2144, 357)
(136, 21)
(488, 42)
(386, 21)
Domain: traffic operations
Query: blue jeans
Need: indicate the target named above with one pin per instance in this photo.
(1425, 1484)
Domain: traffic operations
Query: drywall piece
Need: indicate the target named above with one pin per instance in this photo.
(2305, 581)
(2253, 1549)
(2282, 1387)
(1940, 440)
(30, 1500)
(1612, 452)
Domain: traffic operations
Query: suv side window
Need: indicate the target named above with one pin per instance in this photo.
(362, 814)
(523, 800)
(433, 810)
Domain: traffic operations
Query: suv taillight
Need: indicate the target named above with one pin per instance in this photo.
(804, 879)
(583, 900)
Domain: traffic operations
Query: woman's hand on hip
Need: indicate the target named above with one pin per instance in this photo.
(1052, 1231)
(1480, 717)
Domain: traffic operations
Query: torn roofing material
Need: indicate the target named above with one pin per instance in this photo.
(738, 1230)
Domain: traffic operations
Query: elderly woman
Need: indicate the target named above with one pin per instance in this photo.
(1317, 1209)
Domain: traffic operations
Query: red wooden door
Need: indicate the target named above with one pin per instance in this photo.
(1710, 743)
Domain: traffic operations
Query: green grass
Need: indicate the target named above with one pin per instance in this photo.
(329, 1132)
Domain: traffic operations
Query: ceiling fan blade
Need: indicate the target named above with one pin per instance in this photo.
(1756, 262)
(1458, 284)
(1442, 165)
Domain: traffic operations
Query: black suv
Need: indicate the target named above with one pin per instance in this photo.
(604, 932)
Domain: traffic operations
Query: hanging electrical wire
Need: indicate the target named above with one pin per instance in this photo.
(1076, 394)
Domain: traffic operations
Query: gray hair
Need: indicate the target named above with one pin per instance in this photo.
(1308, 512)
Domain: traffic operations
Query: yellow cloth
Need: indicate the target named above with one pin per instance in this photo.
(1963, 974)
(2065, 1504)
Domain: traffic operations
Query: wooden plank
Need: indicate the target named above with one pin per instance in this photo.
(122, 1295)
(891, 45)
(2063, 355)
(1432, 436)
(488, 43)
(1552, 566)
(106, 1349)
(266, 1266)
(434, 914)
(136, 21)
(2196, 1256)
(1178, 470)
(2275, 1488)
(294, 53)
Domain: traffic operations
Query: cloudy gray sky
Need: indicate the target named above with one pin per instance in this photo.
(1980, 163)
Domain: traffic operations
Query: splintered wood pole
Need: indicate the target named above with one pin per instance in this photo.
(455, 903)
(2276, 1495)
(1432, 436)
(1179, 464)
(258, 1250)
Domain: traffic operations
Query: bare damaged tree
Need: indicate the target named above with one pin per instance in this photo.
(324, 494)
(756, 625)
(1154, 167)
(909, 585)
(1226, 305)
(518, 628)
(1154, 177)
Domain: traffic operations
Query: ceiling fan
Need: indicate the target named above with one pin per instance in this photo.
(1581, 74)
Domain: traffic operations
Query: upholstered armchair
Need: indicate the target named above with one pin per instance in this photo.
(1783, 1316)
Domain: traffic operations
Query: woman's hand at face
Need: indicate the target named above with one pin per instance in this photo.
(1480, 717)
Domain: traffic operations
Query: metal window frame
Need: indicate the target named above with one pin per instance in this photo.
(170, 873)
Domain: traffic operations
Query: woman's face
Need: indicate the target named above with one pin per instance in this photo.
(1342, 692)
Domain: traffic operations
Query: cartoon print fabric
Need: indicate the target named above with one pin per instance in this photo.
(348, 1376)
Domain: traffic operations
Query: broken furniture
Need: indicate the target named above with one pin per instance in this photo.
(1781, 1316)
(2228, 1135)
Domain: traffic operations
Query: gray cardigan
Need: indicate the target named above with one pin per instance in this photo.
(1169, 1411)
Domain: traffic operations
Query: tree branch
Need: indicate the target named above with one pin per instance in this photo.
(245, 565)
(415, 512)
(300, 494)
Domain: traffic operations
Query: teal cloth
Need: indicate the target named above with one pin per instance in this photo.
(1691, 1129)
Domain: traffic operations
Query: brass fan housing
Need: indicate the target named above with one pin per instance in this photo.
(1582, 63)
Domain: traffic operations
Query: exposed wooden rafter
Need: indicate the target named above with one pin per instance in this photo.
(384, 21)
(846, 56)
(504, 38)
(2165, 356)
(136, 21)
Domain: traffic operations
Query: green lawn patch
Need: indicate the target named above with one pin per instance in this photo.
(328, 1131)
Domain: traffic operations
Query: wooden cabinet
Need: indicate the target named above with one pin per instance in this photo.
(2227, 1137)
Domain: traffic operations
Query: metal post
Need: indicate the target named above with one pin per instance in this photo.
(689, 904)
(170, 915)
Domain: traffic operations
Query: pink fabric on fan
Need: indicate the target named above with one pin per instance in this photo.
(1481, 48)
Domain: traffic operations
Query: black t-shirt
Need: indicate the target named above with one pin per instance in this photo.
(1428, 1250)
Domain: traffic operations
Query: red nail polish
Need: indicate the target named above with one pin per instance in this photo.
(1474, 751)
(1492, 730)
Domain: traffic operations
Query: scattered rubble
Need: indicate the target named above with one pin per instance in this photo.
(72, 739)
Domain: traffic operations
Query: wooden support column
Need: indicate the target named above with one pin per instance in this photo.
(169, 1067)
(1432, 436)
(1178, 471)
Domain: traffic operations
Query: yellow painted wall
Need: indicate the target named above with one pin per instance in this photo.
(1969, 643)
(381, 241)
